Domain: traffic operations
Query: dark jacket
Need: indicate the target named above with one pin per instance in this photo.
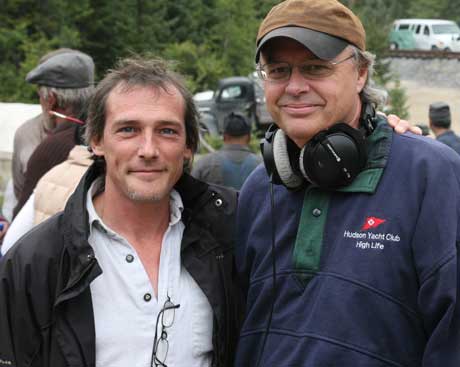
(46, 315)
(54, 149)
(451, 139)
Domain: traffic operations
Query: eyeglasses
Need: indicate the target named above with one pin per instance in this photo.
(161, 344)
(312, 69)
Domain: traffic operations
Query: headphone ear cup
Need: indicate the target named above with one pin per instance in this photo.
(334, 158)
(286, 173)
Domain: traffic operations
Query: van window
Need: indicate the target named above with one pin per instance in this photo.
(426, 31)
(417, 30)
(445, 29)
(403, 27)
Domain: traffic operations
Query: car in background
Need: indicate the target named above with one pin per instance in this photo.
(239, 94)
(425, 34)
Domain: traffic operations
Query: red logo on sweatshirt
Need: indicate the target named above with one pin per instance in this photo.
(372, 222)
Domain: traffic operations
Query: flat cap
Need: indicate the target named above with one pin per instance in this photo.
(325, 27)
(64, 70)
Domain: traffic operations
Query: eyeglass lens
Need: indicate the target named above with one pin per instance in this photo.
(161, 344)
(167, 318)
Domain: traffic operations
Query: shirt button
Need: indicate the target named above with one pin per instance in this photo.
(129, 258)
(316, 212)
(147, 297)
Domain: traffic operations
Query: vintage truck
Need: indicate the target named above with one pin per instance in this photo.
(234, 94)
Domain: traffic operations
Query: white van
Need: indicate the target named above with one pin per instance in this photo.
(428, 34)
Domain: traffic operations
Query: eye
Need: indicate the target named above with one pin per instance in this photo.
(315, 69)
(126, 130)
(276, 71)
(168, 131)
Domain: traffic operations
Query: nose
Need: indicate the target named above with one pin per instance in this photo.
(297, 84)
(148, 147)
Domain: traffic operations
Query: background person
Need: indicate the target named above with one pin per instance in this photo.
(65, 83)
(29, 135)
(137, 270)
(344, 264)
(440, 121)
(232, 164)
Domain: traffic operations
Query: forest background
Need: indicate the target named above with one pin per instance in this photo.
(210, 39)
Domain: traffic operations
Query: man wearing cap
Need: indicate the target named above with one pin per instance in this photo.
(29, 135)
(346, 247)
(440, 122)
(232, 164)
(65, 82)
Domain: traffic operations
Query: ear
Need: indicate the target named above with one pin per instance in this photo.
(362, 78)
(51, 101)
(97, 146)
(188, 155)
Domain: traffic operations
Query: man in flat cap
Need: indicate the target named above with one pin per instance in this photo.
(440, 122)
(65, 84)
(232, 164)
(347, 247)
(32, 132)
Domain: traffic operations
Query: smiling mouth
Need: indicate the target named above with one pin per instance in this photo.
(300, 108)
(145, 172)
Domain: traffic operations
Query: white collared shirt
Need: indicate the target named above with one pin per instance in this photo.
(125, 306)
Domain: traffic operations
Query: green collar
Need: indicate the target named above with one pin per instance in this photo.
(378, 147)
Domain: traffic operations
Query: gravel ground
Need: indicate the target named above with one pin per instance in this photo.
(428, 81)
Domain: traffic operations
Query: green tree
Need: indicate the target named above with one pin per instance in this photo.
(29, 29)
(398, 101)
(377, 26)
(428, 8)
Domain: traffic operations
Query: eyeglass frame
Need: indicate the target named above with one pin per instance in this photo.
(155, 362)
(261, 72)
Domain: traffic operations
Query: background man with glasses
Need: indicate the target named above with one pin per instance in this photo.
(137, 270)
(353, 259)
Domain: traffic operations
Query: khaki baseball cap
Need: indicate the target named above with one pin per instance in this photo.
(325, 27)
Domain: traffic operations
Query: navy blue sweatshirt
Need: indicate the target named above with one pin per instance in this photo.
(368, 275)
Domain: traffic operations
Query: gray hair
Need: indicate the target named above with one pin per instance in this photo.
(76, 100)
(370, 93)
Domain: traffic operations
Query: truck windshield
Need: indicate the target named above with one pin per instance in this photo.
(445, 29)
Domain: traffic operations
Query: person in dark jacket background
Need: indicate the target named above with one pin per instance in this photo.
(348, 240)
(440, 122)
(138, 269)
(233, 163)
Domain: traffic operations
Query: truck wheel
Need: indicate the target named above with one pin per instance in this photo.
(394, 46)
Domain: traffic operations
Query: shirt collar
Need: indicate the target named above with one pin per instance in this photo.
(176, 206)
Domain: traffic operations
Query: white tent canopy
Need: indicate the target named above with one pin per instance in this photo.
(12, 115)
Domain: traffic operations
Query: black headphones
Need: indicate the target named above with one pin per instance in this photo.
(332, 158)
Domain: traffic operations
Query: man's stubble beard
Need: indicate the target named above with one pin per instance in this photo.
(142, 198)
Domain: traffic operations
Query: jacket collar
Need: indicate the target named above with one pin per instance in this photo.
(194, 194)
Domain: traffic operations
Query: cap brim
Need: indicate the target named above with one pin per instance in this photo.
(324, 46)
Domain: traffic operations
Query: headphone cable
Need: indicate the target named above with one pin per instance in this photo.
(273, 255)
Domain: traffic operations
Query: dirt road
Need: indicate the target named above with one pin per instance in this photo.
(420, 96)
